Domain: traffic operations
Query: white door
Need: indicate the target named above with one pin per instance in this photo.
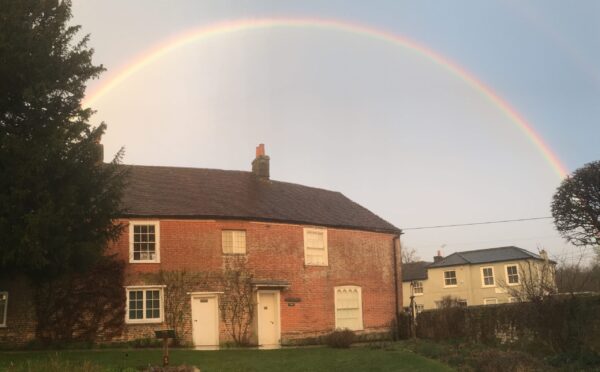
(205, 321)
(268, 318)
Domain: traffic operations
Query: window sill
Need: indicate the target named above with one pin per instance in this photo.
(488, 286)
(3, 326)
(144, 321)
(451, 286)
(144, 262)
(316, 265)
(418, 294)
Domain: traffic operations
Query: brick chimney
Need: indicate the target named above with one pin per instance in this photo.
(438, 258)
(260, 165)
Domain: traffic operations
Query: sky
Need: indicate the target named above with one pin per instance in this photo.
(398, 131)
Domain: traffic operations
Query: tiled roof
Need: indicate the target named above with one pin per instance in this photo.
(480, 256)
(414, 271)
(154, 191)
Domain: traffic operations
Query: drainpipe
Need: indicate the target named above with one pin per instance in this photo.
(395, 255)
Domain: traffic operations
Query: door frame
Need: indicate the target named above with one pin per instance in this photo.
(277, 314)
(200, 295)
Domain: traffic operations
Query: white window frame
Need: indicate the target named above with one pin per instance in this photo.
(494, 299)
(506, 274)
(3, 319)
(415, 287)
(156, 225)
(455, 278)
(233, 231)
(360, 306)
(145, 288)
(308, 230)
(419, 308)
(483, 277)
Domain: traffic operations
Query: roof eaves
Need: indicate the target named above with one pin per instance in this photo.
(395, 231)
(490, 261)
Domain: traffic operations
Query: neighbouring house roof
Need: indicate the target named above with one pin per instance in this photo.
(159, 192)
(414, 271)
(480, 256)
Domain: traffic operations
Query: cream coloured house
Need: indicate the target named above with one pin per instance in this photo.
(480, 277)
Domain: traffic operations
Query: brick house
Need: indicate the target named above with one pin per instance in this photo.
(319, 261)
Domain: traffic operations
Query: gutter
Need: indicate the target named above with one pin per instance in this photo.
(395, 255)
(383, 230)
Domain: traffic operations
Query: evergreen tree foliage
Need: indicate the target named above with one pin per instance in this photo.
(57, 198)
(576, 206)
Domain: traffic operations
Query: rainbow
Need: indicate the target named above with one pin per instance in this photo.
(202, 33)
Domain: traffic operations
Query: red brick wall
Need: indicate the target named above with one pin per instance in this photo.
(276, 251)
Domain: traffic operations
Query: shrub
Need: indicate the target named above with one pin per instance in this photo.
(577, 362)
(340, 339)
(547, 327)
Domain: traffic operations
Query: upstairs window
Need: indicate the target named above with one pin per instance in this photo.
(417, 287)
(3, 308)
(233, 241)
(144, 304)
(512, 274)
(450, 278)
(315, 247)
(487, 276)
(144, 242)
(348, 308)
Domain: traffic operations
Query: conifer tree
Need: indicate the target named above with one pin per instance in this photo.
(57, 198)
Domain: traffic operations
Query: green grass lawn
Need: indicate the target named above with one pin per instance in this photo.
(301, 359)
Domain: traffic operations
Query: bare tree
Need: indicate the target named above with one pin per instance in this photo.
(179, 283)
(237, 304)
(537, 280)
(409, 255)
(577, 276)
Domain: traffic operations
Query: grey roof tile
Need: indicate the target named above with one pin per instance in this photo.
(488, 255)
(154, 191)
(414, 271)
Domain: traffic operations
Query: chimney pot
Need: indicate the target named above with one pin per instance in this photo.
(438, 258)
(260, 150)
